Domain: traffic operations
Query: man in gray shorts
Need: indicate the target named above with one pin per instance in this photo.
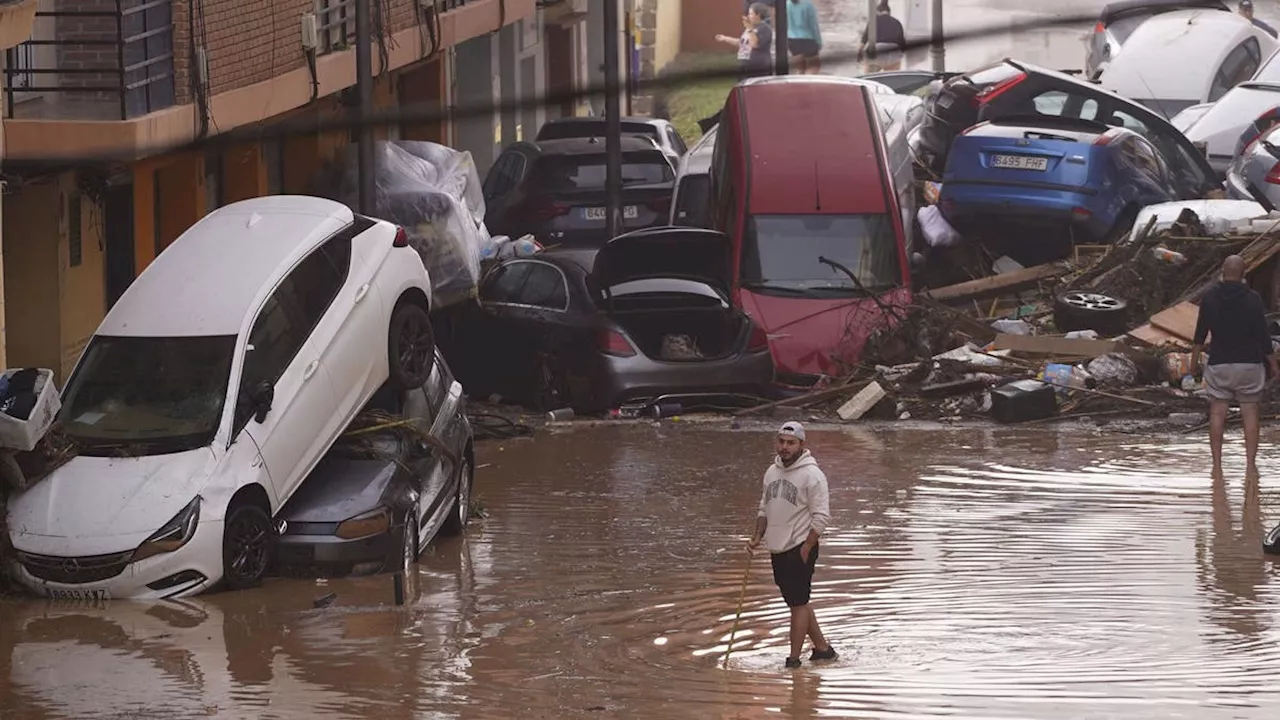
(1234, 318)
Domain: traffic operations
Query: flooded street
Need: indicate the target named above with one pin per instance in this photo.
(976, 573)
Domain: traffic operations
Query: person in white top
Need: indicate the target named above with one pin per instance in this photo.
(794, 512)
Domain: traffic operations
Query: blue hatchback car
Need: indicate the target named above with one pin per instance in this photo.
(1083, 176)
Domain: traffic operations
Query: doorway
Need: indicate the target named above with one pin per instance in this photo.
(118, 240)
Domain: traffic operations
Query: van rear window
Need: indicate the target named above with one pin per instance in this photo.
(693, 201)
(567, 173)
(781, 253)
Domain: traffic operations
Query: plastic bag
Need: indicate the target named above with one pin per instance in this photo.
(434, 193)
(937, 231)
(1113, 369)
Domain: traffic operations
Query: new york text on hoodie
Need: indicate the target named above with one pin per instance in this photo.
(794, 502)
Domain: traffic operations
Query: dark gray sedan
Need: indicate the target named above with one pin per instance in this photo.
(646, 316)
(382, 493)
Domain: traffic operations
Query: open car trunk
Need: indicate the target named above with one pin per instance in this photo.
(674, 329)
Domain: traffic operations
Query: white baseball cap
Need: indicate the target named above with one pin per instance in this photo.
(792, 428)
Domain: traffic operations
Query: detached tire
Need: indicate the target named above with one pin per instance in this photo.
(411, 346)
(246, 546)
(1081, 310)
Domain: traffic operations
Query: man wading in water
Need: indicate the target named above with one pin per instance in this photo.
(1232, 316)
(793, 514)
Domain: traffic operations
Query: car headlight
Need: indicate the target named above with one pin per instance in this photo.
(175, 533)
(373, 522)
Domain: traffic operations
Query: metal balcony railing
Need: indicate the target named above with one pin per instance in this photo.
(336, 21)
(105, 59)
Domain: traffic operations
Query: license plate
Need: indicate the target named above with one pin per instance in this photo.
(630, 212)
(79, 596)
(1019, 162)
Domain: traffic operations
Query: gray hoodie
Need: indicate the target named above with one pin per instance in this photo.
(794, 502)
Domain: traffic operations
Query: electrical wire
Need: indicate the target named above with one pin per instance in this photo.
(421, 115)
(497, 427)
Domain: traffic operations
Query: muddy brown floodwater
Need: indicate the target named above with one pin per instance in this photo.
(975, 573)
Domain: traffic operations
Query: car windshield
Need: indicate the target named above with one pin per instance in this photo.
(147, 395)
(692, 199)
(780, 253)
(567, 173)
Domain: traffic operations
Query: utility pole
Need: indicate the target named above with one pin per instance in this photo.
(364, 89)
(936, 49)
(612, 121)
(783, 55)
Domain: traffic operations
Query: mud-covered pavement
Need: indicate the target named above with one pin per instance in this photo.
(970, 573)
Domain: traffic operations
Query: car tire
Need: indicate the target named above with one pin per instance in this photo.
(1082, 310)
(456, 523)
(409, 553)
(551, 382)
(246, 546)
(411, 346)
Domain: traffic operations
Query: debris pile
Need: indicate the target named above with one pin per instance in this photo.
(1106, 332)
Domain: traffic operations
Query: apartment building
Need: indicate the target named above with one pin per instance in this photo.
(137, 81)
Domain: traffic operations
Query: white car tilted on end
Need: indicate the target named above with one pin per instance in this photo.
(210, 391)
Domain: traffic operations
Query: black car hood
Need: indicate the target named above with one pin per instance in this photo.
(340, 488)
(666, 252)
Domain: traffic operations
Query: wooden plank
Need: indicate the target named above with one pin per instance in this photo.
(997, 285)
(1156, 337)
(1179, 320)
(861, 404)
(1054, 346)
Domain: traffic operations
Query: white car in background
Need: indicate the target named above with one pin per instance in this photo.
(1175, 60)
(1255, 173)
(210, 391)
(691, 198)
(1220, 124)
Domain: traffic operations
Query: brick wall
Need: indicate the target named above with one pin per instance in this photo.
(249, 41)
(75, 56)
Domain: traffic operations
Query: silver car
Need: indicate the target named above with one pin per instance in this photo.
(1118, 21)
(1255, 172)
(691, 202)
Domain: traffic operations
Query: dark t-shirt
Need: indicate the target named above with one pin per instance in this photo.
(1234, 317)
(888, 30)
(760, 57)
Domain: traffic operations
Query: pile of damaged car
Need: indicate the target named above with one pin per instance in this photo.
(266, 398)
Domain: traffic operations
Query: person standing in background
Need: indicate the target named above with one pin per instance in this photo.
(891, 41)
(1246, 10)
(755, 45)
(1234, 321)
(804, 37)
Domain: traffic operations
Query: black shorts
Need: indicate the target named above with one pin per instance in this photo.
(793, 576)
(803, 48)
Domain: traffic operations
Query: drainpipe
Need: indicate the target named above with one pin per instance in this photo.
(612, 120)
(364, 87)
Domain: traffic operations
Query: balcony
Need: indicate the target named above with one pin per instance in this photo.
(336, 19)
(93, 60)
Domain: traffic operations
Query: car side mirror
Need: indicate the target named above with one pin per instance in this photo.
(260, 400)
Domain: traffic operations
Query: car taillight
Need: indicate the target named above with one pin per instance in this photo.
(611, 342)
(1099, 27)
(1104, 139)
(402, 238)
(999, 89)
(1080, 213)
(758, 340)
(547, 210)
(1273, 175)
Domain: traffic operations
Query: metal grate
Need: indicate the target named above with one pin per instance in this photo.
(75, 570)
